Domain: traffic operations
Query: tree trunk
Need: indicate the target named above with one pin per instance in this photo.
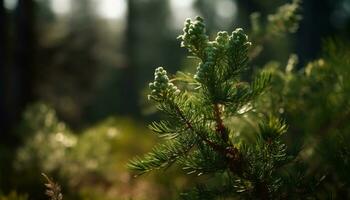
(128, 89)
(4, 125)
(23, 69)
(315, 26)
(146, 48)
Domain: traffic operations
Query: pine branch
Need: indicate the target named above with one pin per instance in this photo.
(195, 133)
(213, 145)
(162, 156)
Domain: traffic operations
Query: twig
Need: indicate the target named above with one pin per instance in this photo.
(220, 128)
(53, 190)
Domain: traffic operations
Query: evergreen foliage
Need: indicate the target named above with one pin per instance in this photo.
(196, 131)
(267, 28)
(323, 129)
(285, 20)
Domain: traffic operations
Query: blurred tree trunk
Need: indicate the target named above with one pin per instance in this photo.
(315, 26)
(3, 112)
(16, 81)
(207, 10)
(245, 9)
(128, 90)
(22, 71)
(147, 40)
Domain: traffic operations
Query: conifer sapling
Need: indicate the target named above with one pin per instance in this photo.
(196, 133)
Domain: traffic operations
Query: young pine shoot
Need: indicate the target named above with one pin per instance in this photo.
(195, 131)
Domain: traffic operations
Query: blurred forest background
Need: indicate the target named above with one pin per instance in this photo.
(74, 76)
